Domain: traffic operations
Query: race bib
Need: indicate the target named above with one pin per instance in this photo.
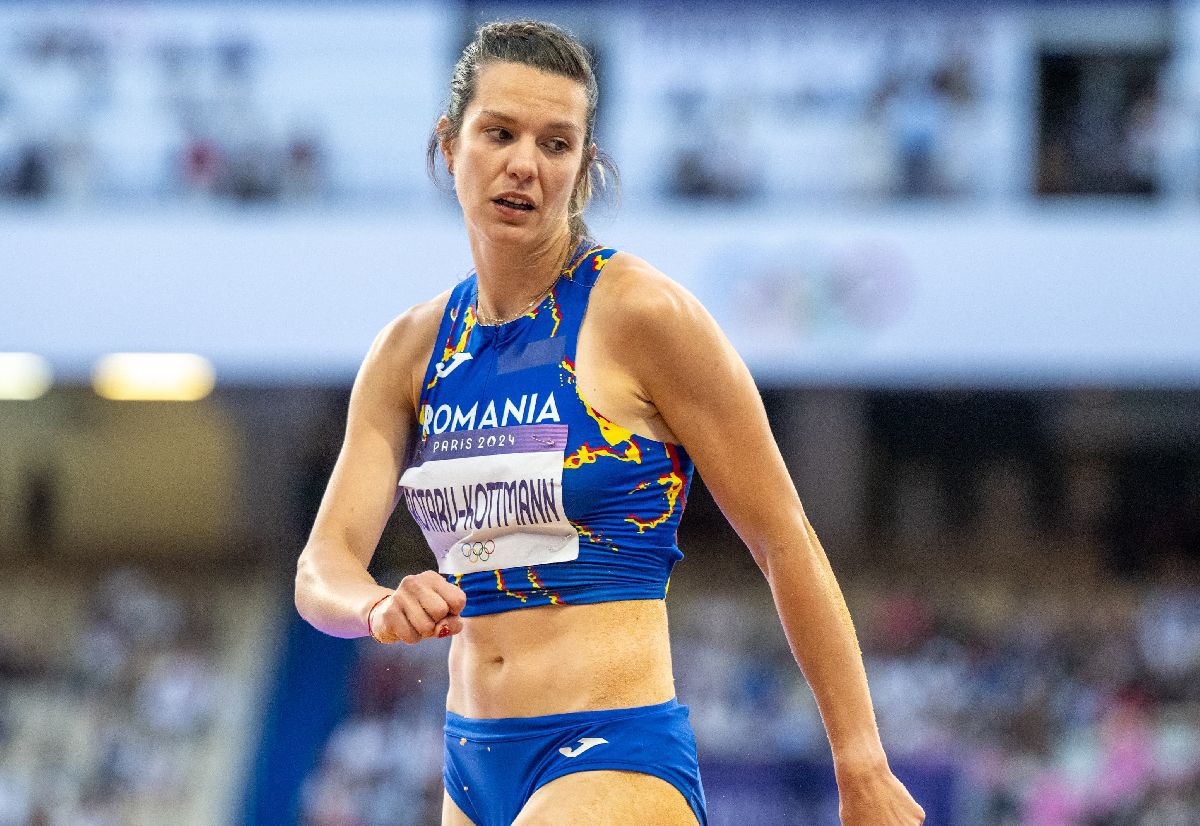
(492, 498)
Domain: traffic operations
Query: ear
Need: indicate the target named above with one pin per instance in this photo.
(444, 143)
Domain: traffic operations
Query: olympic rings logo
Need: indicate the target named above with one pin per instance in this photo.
(478, 551)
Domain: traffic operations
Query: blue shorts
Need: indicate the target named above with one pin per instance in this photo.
(493, 767)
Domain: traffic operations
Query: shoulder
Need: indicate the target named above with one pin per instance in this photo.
(640, 306)
(402, 349)
(649, 322)
(636, 298)
(413, 330)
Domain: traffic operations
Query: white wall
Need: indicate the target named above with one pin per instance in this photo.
(1052, 294)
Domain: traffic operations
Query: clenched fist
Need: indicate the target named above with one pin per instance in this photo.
(423, 606)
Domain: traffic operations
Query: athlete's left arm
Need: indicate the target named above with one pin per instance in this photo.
(677, 356)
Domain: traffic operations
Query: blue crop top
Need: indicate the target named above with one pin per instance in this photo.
(526, 494)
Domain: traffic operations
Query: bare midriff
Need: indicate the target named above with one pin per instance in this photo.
(554, 659)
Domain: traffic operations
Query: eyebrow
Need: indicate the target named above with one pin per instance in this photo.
(558, 125)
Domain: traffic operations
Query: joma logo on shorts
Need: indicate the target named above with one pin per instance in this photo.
(585, 743)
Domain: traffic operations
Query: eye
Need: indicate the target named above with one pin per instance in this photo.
(498, 133)
(557, 145)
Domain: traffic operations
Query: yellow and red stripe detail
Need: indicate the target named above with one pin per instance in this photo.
(587, 455)
(612, 432)
(569, 272)
(673, 482)
(594, 537)
(500, 586)
(538, 586)
(555, 313)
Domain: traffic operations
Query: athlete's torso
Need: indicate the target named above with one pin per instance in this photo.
(553, 659)
(528, 495)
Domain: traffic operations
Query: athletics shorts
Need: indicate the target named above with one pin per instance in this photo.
(493, 767)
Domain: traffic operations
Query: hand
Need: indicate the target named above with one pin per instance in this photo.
(424, 606)
(874, 797)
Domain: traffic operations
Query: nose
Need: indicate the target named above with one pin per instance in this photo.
(522, 160)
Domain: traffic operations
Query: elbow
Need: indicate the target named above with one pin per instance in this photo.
(775, 555)
(304, 585)
(759, 554)
(766, 547)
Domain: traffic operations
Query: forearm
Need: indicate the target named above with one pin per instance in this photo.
(822, 638)
(334, 591)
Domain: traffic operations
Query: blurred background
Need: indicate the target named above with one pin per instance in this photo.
(957, 243)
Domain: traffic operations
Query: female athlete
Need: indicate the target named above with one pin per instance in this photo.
(546, 455)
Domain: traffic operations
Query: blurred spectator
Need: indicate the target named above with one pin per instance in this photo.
(122, 723)
(177, 694)
(917, 117)
(304, 165)
(56, 96)
(201, 167)
(1168, 634)
(41, 508)
(1100, 126)
(1142, 139)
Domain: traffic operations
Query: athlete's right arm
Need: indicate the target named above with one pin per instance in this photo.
(334, 591)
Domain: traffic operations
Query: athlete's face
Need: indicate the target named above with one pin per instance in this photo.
(519, 154)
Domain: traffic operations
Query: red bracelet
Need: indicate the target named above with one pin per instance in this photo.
(371, 611)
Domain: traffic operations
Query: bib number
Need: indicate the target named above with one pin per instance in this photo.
(492, 498)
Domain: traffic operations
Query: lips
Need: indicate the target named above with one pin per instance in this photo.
(513, 200)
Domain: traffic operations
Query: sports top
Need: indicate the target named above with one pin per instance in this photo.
(526, 494)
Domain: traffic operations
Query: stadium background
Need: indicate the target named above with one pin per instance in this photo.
(959, 245)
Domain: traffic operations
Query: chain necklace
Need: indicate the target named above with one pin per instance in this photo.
(494, 322)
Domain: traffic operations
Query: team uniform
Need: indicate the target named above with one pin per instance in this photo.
(529, 496)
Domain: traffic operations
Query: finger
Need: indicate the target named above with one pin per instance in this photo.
(421, 622)
(455, 597)
(431, 581)
(434, 606)
(404, 630)
(420, 592)
(391, 625)
(412, 593)
(449, 626)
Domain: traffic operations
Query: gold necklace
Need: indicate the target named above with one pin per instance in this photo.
(494, 322)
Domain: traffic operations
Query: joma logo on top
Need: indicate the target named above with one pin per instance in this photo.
(444, 369)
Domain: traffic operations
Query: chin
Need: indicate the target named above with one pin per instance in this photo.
(513, 233)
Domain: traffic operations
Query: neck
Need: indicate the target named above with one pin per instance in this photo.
(510, 276)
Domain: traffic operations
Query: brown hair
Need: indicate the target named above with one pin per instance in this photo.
(545, 47)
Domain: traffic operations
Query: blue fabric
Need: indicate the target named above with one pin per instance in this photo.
(624, 494)
(309, 698)
(493, 767)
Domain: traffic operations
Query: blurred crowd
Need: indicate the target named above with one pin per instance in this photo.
(903, 119)
(107, 721)
(901, 107)
(81, 120)
(1053, 709)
